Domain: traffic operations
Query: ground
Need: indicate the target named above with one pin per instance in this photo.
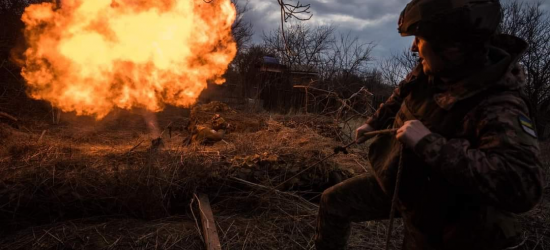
(86, 184)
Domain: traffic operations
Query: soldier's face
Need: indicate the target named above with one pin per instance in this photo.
(432, 63)
(436, 61)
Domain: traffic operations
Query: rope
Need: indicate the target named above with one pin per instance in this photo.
(394, 198)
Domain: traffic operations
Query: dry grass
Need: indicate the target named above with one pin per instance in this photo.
(51, 182)
(98, 185)
(108, 233)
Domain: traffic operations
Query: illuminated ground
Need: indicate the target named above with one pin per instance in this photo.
(98, 185)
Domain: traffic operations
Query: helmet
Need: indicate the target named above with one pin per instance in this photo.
(450, 19)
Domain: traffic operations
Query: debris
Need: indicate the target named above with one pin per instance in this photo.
(218, 123)
(251, 161)
(42, 135)
(9, 119)
(203, 135)
(129, 181)
(211, 240)
(218, 115)
(214, 106)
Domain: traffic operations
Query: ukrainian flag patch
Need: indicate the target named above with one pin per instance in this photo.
(527, 126)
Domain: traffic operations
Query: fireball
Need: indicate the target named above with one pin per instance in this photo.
(91, 56)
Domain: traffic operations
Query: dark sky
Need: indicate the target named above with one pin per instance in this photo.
(370, 20)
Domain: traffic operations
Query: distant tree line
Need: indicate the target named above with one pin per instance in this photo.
(531, 22)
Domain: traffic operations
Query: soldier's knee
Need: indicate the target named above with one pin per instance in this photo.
(329, 197)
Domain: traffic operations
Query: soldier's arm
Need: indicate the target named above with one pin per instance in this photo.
(386, 112)
(502, 168)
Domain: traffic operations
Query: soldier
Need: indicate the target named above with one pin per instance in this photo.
(470, 157)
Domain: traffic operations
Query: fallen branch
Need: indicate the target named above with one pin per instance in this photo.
(9, 117)
(211, 240)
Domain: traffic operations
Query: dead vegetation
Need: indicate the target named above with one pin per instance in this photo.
(98, 185)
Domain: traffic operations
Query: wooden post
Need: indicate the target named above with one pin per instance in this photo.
(211, 240)
(307, 100)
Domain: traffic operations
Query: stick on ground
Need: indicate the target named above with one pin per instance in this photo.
(211, 240)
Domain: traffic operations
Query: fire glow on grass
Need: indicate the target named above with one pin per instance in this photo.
(90, 56)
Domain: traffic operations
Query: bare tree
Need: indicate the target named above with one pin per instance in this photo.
(395, 68)
(241, 28)
(339, 59)
(296, 11)
(347, 57)
(531, 22)
(305, 46)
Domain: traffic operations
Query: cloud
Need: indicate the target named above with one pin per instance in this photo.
(370, 20)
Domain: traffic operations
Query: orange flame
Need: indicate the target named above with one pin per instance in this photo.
(91, 56)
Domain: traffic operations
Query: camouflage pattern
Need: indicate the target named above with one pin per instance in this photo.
(463, 183)
(354, 200)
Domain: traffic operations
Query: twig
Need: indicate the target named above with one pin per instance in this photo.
(194, 217)
(104, 239)
(56, 238)
(42, 135)
(167, 127)
(270, 189)
(133, 148)
(8, 116)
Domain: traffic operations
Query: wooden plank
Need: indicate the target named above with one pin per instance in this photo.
(211, 240)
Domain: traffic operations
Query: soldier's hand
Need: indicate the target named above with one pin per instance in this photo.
(412, 132)
(359, 138)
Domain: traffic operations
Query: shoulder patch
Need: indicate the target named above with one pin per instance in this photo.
(527, 126)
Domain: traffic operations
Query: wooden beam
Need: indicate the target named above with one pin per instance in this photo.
(211, 240)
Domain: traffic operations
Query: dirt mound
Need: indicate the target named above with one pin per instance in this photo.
(240, 122)
(213, 107)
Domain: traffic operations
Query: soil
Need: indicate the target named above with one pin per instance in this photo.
(87, 184)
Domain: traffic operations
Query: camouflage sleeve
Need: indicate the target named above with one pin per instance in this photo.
(501, 166)
(385, 114)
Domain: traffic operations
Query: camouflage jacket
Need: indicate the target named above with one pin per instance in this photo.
(462, 184)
